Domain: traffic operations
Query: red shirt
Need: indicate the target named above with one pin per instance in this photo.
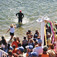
(14, 43)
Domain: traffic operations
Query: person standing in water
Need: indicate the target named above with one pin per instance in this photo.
(12, 30)
(20, 16)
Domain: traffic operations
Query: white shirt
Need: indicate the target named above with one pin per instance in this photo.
(38, 49)
(12, 30)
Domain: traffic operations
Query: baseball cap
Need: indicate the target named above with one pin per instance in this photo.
(29, 46)
(20, 48)
(34, 53)
(11, 48)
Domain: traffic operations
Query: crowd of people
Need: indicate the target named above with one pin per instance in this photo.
(30, 46)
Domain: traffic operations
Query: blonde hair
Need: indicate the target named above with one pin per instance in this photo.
(11, 25)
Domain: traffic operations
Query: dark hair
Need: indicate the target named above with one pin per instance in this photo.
(2, 37)
(10, 53)
(8, 46)
(19, 45)
(24, 37)
(3, 40)
(14, 46)
(34, 39)
(14, 39)
(29, 30)
(45, 49)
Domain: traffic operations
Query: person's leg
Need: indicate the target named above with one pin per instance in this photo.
(11, 37)
(11, 34)
(20, 21)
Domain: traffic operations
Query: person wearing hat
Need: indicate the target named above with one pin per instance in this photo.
(20, 16)
(39, 48)
(12, 30)
(34, 54)
(29, 50)
(20, 51)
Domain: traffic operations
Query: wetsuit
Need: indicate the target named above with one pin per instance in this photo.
(20, 17)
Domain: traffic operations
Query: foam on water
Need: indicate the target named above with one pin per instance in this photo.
(25, 20)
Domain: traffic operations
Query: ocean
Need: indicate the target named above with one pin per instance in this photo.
(32, 10)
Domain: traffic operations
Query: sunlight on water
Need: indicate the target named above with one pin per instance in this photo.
(25, 20)
(32, 10)
(16, 20)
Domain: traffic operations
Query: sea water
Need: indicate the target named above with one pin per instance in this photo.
(32, 9)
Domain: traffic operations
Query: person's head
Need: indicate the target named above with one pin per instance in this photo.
(29, 48)
(36, 31)
(29, 31)
(10, 48)
(20, 11)
(39, 37)
(14, 46)
(10, 53)
(24, 38)
(20, 50)
(11, 25)
(17, 38)
(2, 37)
(31, 41)
(45, 50)
(14, 39)
(34, 54)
